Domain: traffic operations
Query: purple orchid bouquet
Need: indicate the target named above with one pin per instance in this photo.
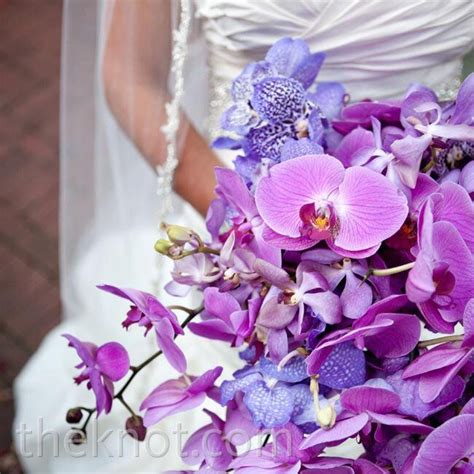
(340, 263)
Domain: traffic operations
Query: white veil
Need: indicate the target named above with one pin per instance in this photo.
(107, 186)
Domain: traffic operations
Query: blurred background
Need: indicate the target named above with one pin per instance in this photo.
(30, 39)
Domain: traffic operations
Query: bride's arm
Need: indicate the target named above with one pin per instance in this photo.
(135, 72)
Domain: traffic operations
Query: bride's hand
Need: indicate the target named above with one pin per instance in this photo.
(135, 73)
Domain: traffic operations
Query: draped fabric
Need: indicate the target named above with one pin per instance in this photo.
(109, 206)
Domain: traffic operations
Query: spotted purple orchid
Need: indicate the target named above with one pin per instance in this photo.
(148, 312)
(333, 204)
(102, 366)
(178, 395)
(381, 331)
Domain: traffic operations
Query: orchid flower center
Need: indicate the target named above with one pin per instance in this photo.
(289, 297)
(318, 220)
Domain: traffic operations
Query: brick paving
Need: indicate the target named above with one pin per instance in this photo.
(30, 32)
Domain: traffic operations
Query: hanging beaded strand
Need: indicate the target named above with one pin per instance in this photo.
(165, 172)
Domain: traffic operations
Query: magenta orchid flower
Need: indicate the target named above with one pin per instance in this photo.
(148, 312)
(363, 406)
(175, 396)
(450, 446)
(224, 319)
(101, 366)
(440, 282)
(313, 198)
(436, 368)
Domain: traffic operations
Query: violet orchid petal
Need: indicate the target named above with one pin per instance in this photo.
(361, 196)
(314, 176)
(165, 338)
(341, 431)
(445, 446)
(113, 361)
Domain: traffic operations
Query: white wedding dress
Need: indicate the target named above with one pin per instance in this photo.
(375, 47)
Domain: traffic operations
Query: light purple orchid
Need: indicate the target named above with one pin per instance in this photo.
(282, 455)
(175, 396)
(208, 446)
(310, 289)
(148, 312)
(248, 225)
(450, 445)
(421, 111)
(365, 405)
(224, 319)
(400, 160)
(357, 295)
(333, 204)
(101, 366)
(197, 269)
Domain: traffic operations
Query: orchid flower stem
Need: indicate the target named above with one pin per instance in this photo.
(136, 369)
(200, 249)
(89, 416)
(439, 340)
(127, 406)
(390, 271)
(428, 166)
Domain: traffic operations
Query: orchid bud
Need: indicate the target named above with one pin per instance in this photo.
(135, 428)
(163, 246)
(79, 437)
(74, 415)
(178, 234)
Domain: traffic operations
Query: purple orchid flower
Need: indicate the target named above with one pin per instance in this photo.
(273, 395)
(193, 270)
(208, 446)
(148, 312)
(281, 456)
(380, 331)
(437, 368)
(310, 289)
(363, 406)
(101, 366)
(450, 446)
(357, 295)
(224, 319)
(360, 114)
(440, 281)
(400, 160)
(421, 111)
(248, 225)
(332, 204)
(175, 396)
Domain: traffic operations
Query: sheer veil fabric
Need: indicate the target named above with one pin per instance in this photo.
(109, 220)
(110, 209)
